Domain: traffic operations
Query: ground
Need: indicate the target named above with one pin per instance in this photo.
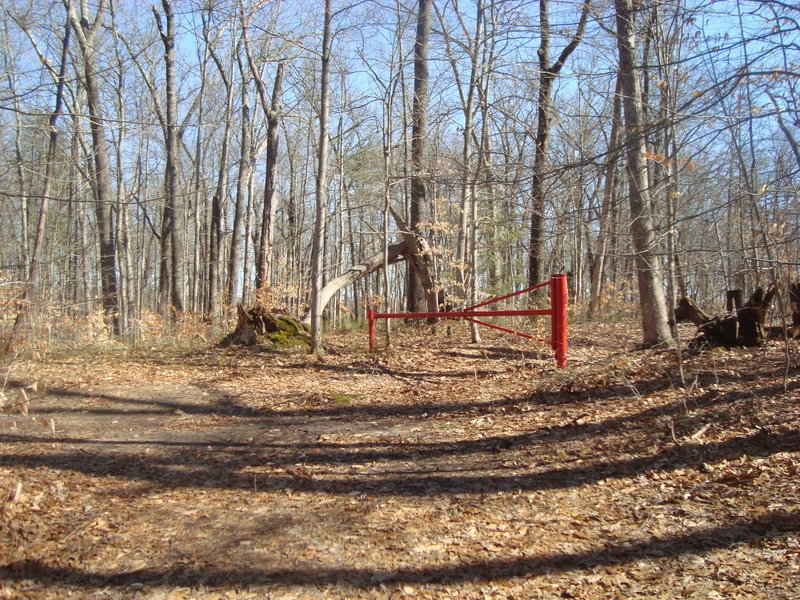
(438, 469)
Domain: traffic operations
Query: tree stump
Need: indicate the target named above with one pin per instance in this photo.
(259, 326)
(794, 306)
(687, 310)
(741, 327)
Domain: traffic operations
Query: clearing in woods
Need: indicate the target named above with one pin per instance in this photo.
(439, 469)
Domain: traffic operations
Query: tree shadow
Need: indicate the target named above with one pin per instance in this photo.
(410, 374)
(288, 437)
(435, 468)
(223, 405)
(501, 353)
(700, 541)
(199, 464)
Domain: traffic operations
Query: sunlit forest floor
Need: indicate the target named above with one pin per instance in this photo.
(436, 469)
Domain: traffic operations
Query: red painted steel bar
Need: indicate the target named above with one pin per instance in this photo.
(557, 313)
(457, 314)
(558, 322)
(511, 295)
(501, 328)
(371, 315)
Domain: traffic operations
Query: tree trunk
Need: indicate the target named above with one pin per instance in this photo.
(609, 188)
(394, 253)
(419, 121)
(321, 192)
(266, 240)
(743, 327)
(172, 235)
(259, 325)
(221, 190)
(466, 247)
(547, 76)
(419, 258)
(198, 191)
(9, 67)
(101, 173)
(33, 275)
(242, 178)
(651, 294)
(126, 288)
(794, 306)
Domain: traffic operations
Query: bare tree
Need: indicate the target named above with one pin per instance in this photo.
(466, 246)
(321, 192)
(452, 158)
(419, 118)
(547, 75)
(35, 259)
(610, 180)
(651, 293)
(172, 236)
(244, 175)
(271, 107)
(86, 27)
(10, 71)
(211, 307)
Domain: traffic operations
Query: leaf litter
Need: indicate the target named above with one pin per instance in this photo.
(436, 469)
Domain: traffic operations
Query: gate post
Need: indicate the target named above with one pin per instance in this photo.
(558, 320)
(371, 317)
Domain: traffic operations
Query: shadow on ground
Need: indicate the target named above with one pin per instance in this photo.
(745, 531)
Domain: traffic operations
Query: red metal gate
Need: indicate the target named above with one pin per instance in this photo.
(557, 313)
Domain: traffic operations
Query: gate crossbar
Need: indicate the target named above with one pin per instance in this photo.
(557, 313)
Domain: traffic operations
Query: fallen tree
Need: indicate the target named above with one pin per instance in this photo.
(396, 253)
(258, 325)
(743, 326)
(413, 248)
(419, 256)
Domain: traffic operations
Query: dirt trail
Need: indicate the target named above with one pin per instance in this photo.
(438, 470)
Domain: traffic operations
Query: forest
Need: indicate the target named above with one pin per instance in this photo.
(176, 158)
(174, 168)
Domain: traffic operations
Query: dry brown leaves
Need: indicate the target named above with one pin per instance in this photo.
(438, 469)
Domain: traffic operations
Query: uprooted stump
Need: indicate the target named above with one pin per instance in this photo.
(794, 307)
(259, 326)
(742, 327)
